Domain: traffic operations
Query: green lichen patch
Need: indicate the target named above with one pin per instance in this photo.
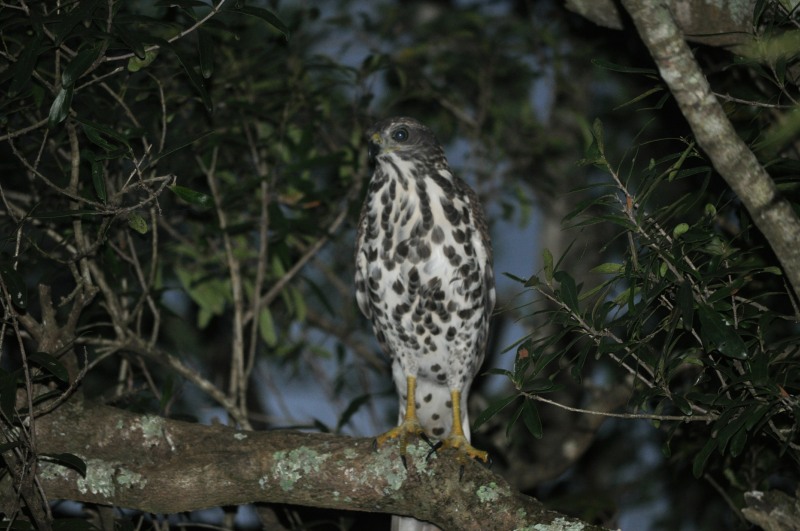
(102, 478)
(559, 524)
(152, 429)
(350, 453)
(99, 478)
(420, 454)
(130, 479)
(387, 468)
(291, 466)
(489, 493)
(240, 436)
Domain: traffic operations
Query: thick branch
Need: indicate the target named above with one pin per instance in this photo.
(731, 157)
(164, 466)
(712, 23)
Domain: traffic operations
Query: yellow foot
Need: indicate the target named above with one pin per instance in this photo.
(460, 444)
(409, 427)
(403, 432)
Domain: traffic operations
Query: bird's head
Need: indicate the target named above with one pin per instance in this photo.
(404, 137)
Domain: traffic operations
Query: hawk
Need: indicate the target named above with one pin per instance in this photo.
(424, 278)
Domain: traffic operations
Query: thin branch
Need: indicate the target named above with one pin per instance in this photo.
(715, 134)
(179, 36)
(646, 416)
(238, 381)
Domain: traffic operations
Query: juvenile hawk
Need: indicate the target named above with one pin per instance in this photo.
(424, 278)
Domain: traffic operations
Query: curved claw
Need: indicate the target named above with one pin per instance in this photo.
(403, 433)
(464, 448)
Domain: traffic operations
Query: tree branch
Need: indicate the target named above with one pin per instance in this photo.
(730, 156)
(164, 466)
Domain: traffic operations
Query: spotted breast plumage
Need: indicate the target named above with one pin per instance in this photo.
(424, 278)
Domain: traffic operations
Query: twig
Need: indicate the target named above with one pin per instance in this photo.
(180, 35)
(645, 416)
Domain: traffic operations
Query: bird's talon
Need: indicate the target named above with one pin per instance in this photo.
(427, 439)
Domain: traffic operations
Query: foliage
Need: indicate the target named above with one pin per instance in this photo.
(686, 306)
(163, 186)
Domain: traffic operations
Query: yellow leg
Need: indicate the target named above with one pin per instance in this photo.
(456, 439)
(410, 424)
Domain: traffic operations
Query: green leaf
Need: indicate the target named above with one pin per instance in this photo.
(169, 150)
(609, 268)
(132, 40)
(50, 364)
(686, 304)
(640, 97)
(718, 335)
(532, 282)
(68, 460)
(23, 69)
(738, 442)
(597, 131)
(205, 50)
(195, 80)
(76, 68)
(98, 179)
(351, 409)
(568, 290)
(82, 11)
(681, 228)
(266, 326)
(59, 110)
(514, 418)
(209, 293)
(267, 16)
(15, 285)
(97, 134)
(700, 460)
(192, 197)
(682, 404)
(494, 408)
(547, 259)
(614, 67)
(137, 223)
(530, 416)
(135, 64)
(299, 303)
(98, 175)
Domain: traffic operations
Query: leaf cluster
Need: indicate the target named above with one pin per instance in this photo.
(171, 173)
(692, 316)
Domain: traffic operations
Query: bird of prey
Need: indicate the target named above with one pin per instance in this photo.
(424, 278)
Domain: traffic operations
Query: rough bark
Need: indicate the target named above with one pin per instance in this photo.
(772, 510)
(165, 466)
(716, 23)
(730, 156)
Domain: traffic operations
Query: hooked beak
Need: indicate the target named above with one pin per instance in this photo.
(374, 146)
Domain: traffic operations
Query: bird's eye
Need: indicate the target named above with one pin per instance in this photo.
(400, 135)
